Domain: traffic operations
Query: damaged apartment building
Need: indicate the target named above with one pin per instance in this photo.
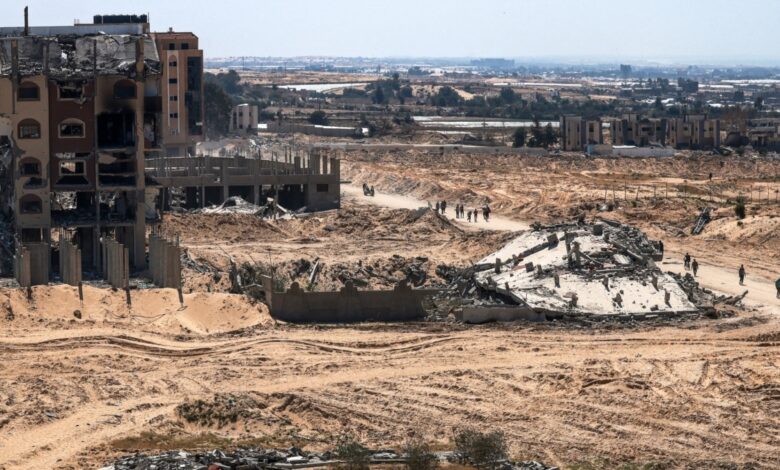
(82, 109)
(694, 131)
(99, 128)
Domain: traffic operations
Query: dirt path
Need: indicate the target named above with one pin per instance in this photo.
(397, 201)
(761, 291)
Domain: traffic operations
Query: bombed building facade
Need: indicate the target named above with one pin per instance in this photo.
(99, 123)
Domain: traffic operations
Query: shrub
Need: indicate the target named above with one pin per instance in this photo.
(419, 455)
(739, 208)
(483, 450)
(354, 455)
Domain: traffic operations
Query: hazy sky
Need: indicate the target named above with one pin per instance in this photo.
(688, 31)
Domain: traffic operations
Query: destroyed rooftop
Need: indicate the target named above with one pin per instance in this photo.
(71, 56)
(604, 268)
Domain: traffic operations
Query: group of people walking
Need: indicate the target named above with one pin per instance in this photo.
(693, 265)
(462, 213)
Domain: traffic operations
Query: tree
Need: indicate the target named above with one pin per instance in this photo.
(507, 95)
(379, 95)
(217, 109)
(519, 137)
(446, 96)
(319, 118)
(550, 136)
(739, 208)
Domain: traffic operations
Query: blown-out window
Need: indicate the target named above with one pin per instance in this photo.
(29, 166)
(71, 129)
(124, 90)
(29, 129)
(30, 204)
(28, 91)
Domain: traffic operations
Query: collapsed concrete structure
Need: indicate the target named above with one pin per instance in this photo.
(604, 268)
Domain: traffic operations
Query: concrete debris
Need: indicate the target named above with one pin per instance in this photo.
(71, 57)
(603, 268)
(704, 218)
(292, 458)
(232, 205)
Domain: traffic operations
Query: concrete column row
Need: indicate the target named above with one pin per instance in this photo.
(165, 262)
(70, 263)
(116, 263)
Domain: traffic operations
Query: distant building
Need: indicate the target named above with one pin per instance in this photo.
(577, 133)
(181, 92)
(495, 64)
(631, 129)
(694, 132)
(243, 118)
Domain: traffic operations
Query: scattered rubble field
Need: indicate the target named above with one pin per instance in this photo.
(81, 386)
(563, 188)
(374, 247)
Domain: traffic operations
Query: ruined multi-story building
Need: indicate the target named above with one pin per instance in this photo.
(243, 118)
(98, 121)
(578, 132)
(631, 129)
(74, 102)
(694, 132)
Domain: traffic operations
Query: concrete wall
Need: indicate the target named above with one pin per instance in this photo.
(347, 305)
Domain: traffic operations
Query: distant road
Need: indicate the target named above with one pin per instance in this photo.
(397, 201)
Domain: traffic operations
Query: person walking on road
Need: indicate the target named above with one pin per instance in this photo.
(468, 216)
(437, 206)
(777, 286)
(695, 267)
(741, 274)
(443, 207)
(687, 261)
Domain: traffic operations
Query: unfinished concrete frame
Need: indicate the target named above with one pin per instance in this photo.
(70, 263)
(211, 180)
(347, 305)
(116, 263)
(165, 262)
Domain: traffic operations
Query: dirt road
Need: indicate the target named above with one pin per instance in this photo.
(397, 201)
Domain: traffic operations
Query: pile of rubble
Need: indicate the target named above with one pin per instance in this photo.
(602, 268)
(293, 458)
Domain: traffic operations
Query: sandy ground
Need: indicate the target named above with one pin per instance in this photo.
(693, 397)
(81, 384)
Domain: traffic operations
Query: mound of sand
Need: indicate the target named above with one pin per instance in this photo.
(154, 310)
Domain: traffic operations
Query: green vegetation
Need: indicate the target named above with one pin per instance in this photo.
(483, 450)
(319, 117)
(739, 208)
(446, 97)
(419, 455)
(217, 109)
(354, 455)
(518, 138)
